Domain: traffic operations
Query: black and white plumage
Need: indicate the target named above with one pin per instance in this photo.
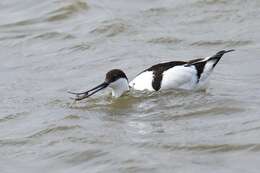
(188, 75)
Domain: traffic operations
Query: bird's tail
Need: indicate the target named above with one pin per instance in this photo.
(218, 56)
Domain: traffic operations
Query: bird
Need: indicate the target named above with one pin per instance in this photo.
(186, 75)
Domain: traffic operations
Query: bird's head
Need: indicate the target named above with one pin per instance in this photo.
(115, 79)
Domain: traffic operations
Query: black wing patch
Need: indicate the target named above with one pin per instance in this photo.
(200, 68)
(199, 65)
(158, 70)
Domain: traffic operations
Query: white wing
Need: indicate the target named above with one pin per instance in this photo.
(180, 77)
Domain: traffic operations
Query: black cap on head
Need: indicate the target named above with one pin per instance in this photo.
(114, 75)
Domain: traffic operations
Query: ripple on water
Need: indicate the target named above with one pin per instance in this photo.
(72, 117)
(229, 43)
(22, 23)
(110, 28)
(13, 142)
(164, 40)
(211, 2)
(63, 11)
(67, 10)
(210, 148)
(53, 129)
(84, 156)
(157, 11)
(13, 116)
(14, 37)
(83, 46)
(243, 131)
(53, 35)
(201, 111)
(169, 105)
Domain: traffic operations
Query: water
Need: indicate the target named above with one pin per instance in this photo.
(49, 47)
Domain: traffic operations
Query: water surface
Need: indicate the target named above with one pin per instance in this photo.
(49, 47)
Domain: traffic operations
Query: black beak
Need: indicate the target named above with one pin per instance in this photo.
(86, 94)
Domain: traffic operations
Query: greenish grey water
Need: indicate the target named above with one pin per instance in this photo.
(50, 47)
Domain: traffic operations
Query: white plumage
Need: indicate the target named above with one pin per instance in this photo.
(179, 77)
(143, 81)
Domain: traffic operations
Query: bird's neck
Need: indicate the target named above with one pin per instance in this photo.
(120, 88)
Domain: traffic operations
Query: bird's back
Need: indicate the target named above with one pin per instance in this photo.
(193, 74)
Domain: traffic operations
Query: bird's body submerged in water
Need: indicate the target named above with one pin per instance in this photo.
(188, 75)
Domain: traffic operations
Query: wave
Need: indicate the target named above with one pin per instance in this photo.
(244, 131)
(67, 10)
(62, 12)
(211, 148)
(52, 35)
(212, 2)
(230, 43)
(76, 47)
(53, 130)
(13, 116)
(164, 40)
(110, 28)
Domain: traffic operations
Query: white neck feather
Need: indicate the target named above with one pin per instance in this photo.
(119, 87)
